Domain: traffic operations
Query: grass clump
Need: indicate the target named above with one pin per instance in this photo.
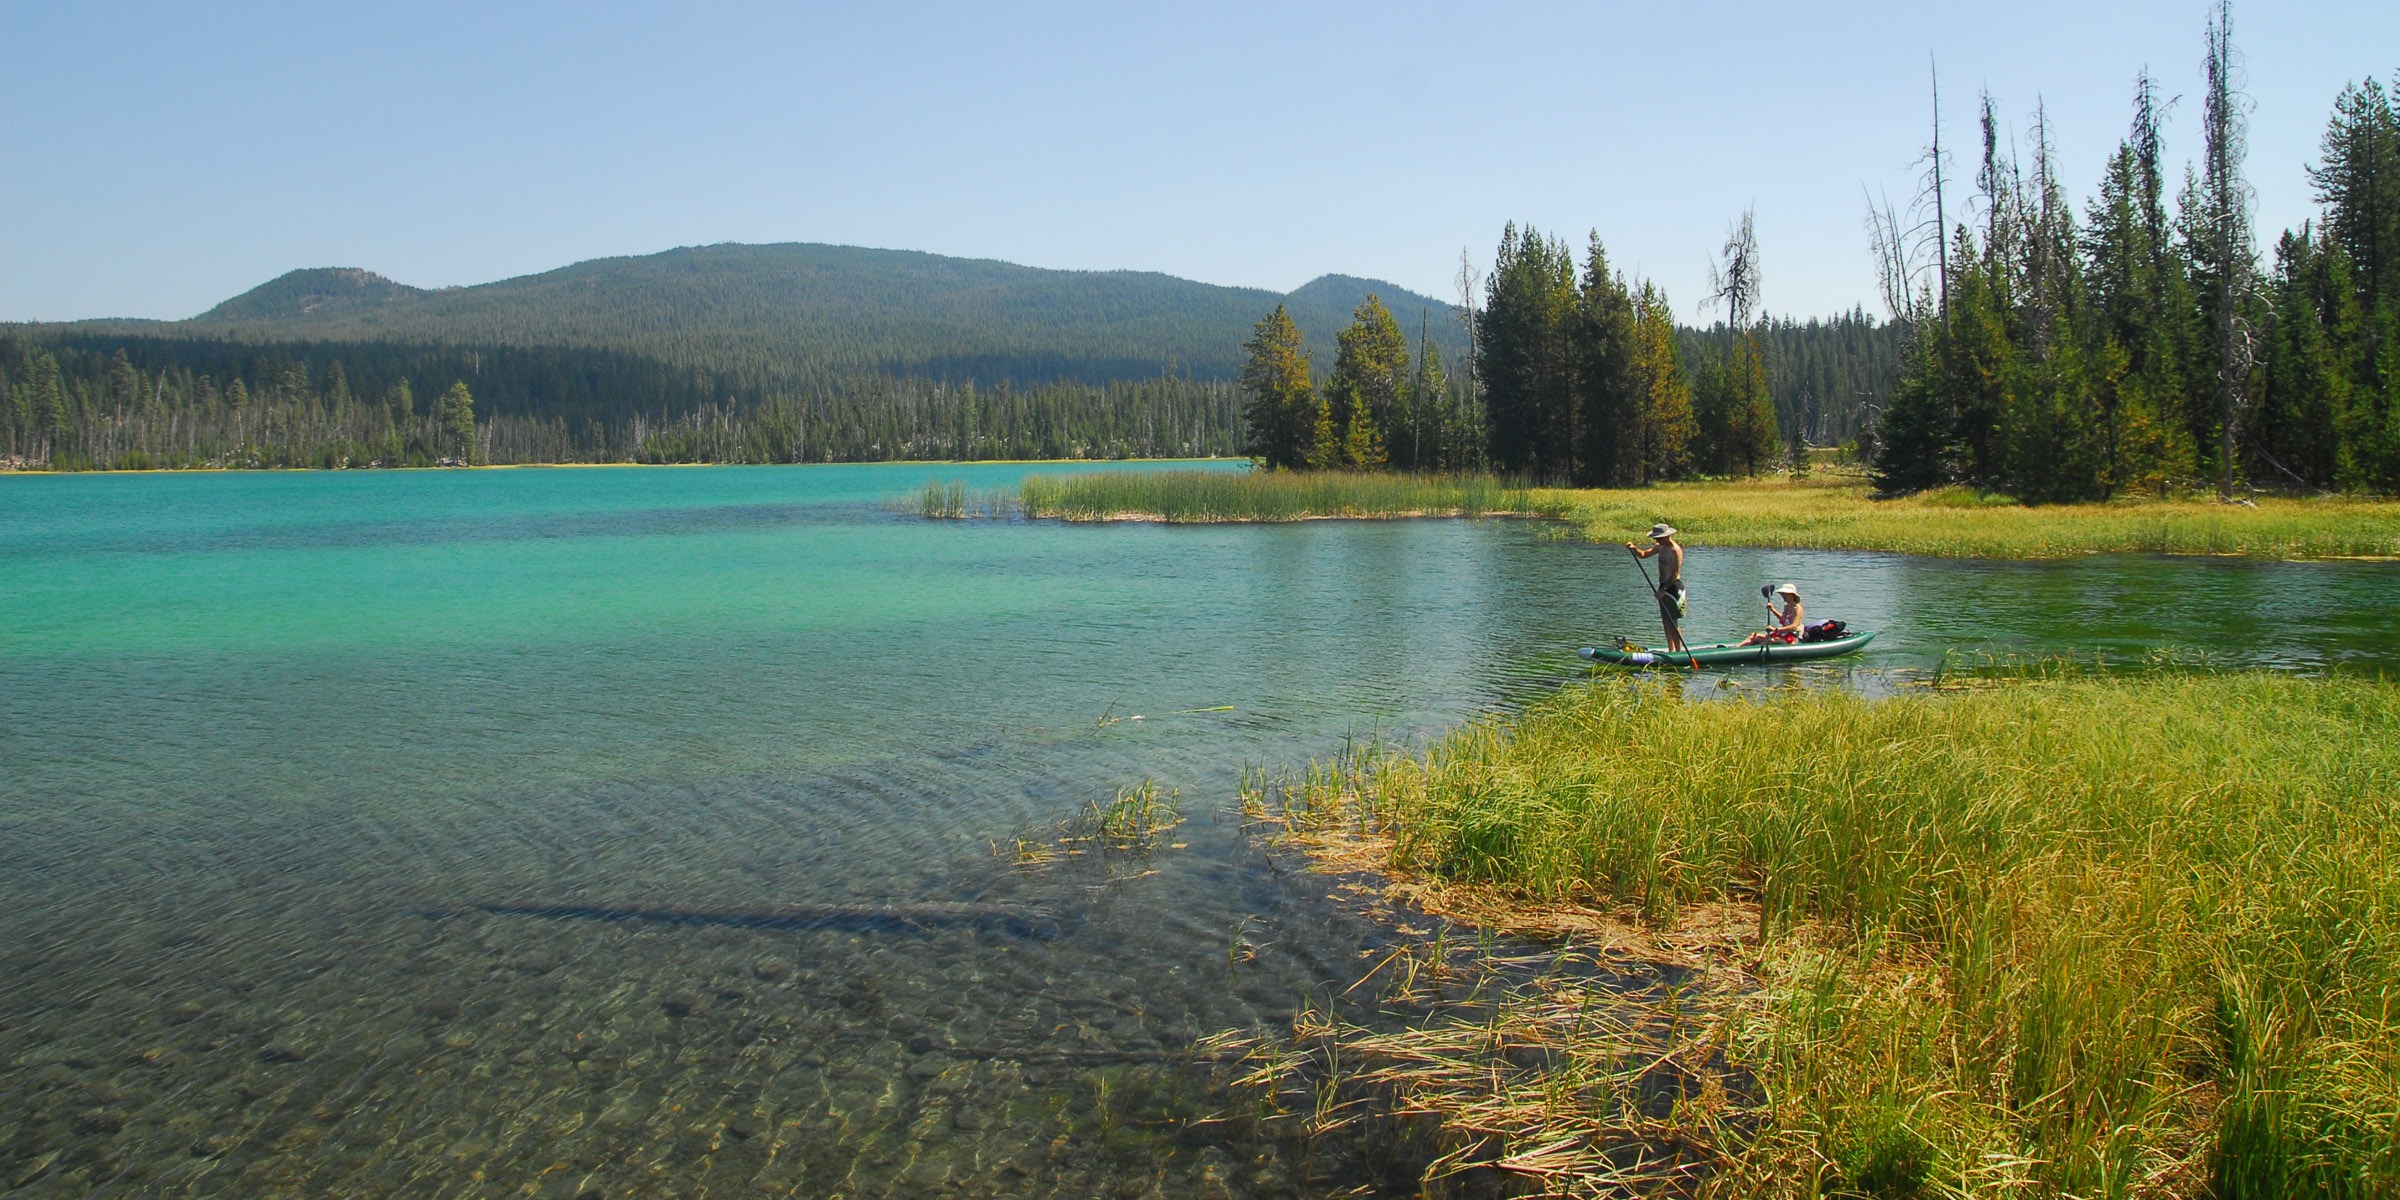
(2092, 936)
(1137, 817)
(1180, 497)
(1828, 512)
(949, 500)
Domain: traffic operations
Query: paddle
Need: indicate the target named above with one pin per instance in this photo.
(1766, 594)
(1637, 565)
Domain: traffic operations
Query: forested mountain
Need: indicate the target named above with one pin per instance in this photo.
(787, 317)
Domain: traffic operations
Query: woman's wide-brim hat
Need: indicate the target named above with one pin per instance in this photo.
(1661, 530)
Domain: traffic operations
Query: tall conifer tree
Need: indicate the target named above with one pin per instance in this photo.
(1523, 361)
(1369, 383)
(1280, 403)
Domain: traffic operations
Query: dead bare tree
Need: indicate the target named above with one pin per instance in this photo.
(1903, 239)
(1733, 279)
(1469, 282)
(2227, 253)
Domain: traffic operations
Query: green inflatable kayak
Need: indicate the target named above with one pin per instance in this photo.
(1625, 654)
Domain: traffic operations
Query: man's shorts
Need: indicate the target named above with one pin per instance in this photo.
(1671, 604)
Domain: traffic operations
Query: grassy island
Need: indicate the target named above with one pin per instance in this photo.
(1189, 497)
(2076, 936)
(1826, 512)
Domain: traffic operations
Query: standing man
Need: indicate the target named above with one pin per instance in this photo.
(1669, 554)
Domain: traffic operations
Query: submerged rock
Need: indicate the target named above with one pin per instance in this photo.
(286, 1050)
(100, 1121)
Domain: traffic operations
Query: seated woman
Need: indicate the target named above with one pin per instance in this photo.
(1787, 621)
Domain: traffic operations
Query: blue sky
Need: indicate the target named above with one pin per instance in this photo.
(159, 158)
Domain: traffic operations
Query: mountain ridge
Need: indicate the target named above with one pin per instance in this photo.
(791, 313)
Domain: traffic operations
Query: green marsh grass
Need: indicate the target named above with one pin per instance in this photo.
(1831, 512)
(1826, 511)
(2081, 935)
(942, 499)
(1180, 497)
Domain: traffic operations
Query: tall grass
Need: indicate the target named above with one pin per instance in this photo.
(2084, 936)
(949, 500)
(1214, 496)
(1834, 513)
(1825, 512)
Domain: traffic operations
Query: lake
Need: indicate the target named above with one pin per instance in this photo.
(615, 832)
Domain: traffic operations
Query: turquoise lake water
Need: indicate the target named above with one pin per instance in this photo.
(312, 787)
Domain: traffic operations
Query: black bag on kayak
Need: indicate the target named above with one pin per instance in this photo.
(1823, 631)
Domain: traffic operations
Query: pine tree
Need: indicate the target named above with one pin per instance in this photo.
(1369, 384)
(1749, 442)
(2052, 447)
(1523, 363)
(2140, 294)
(1915, 439)
(2306, 392)
(1978, 362)
(2358, 182)
(1607, 392)
(1325, 442)
(1666, 390)
(455, 413)
(1280, 405)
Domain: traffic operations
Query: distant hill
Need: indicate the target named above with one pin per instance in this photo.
(771, 317)
(313, 293)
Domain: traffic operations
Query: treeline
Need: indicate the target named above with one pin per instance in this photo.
(2138, 348)
(86, 403)
(1578, 376)
(1584, 379)
(1826, 377)
(1377, 408)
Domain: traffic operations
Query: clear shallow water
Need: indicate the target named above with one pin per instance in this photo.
(267, 739)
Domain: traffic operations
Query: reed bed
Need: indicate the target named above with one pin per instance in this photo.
(1836, 513)
(1191, 497)
(2088, 936)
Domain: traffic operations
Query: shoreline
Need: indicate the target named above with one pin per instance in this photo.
(29, 472)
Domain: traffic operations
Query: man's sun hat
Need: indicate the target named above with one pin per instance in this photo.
(1661, 530)
(1787, 590)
